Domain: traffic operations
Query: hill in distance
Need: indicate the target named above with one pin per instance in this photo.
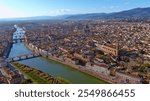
(137, 13)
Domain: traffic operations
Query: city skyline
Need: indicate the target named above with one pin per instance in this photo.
(29, 8)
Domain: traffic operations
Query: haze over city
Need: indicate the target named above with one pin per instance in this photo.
(30, 8)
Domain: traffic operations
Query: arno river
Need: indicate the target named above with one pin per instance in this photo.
(52, 67)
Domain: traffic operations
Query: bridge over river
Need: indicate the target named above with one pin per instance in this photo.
(18, 40)
(20, 52)
(23, 57)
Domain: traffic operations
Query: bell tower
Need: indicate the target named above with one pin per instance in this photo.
(117, 49)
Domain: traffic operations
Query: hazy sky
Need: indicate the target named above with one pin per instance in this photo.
(27, 8)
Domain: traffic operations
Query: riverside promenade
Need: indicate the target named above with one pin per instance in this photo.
(101, 72)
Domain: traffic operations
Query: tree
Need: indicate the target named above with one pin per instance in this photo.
(27, 81)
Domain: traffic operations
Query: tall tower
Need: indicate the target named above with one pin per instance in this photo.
(117, 49)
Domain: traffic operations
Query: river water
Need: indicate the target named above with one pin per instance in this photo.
(53, 68)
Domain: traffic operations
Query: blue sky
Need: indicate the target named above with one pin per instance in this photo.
(27, 8)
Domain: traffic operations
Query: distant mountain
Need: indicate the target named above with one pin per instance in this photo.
(128, 14)
(137, 13)
(87, 16)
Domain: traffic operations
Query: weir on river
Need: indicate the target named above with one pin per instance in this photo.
(52, 67)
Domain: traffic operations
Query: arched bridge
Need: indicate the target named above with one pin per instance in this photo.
(18, 40)
(23, 57)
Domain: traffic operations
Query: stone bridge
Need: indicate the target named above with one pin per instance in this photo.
(23, 57)
(18, 40)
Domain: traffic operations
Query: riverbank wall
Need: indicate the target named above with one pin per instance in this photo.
(99, 71)
(7, 50)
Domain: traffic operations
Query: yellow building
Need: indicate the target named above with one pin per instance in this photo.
(109, 49)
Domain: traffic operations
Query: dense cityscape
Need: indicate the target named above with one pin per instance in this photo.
(74, 42)
(113, 51)
(74, 49)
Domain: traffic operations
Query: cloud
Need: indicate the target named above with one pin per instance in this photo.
(63, 10)
(59, 12)
(114, 7)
